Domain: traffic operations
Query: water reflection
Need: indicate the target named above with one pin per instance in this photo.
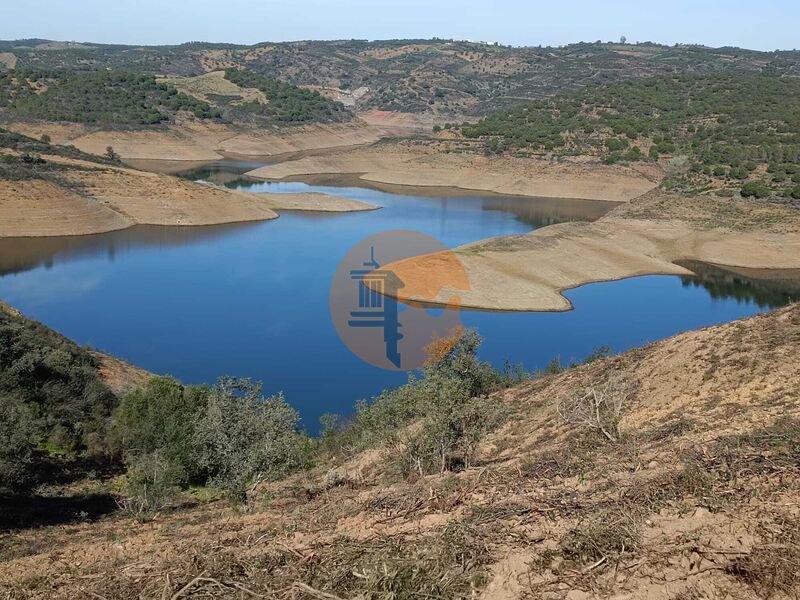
(23, 254)
(766, 288)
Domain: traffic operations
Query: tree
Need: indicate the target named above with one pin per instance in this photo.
(244, 438)
(623, 40)
(161, 417)
(16, 445)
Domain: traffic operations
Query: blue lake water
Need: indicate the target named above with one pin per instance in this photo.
(251, 300)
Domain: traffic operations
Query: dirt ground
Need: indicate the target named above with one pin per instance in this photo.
(695, 495)
(400, 164)
(201, 141)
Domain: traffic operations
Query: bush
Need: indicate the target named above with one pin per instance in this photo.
(243, 438)
(451, 402)
(161, 417)
(56, 381)
(449, 436)
(151, 482)
(16, 446)
(616, 144)
(755, 189)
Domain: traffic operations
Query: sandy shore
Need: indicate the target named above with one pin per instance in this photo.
(529, 272)
(399, 165)
(315, 202)
(95, 199)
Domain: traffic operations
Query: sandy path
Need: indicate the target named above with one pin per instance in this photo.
(502, 175)
(529, 272)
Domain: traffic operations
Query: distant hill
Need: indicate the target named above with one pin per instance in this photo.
(422, 76)
(734, 128)
(123, 98)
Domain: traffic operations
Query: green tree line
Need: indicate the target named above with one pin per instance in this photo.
(114, 98)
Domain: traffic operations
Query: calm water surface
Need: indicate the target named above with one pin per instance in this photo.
(252, 300)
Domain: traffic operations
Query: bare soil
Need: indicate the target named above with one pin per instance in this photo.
(195, 140)
(90, 198)
(424, 165)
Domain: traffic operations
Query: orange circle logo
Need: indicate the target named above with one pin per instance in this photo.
(388, 297)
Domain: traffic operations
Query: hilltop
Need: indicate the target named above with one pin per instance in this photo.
(443, 77)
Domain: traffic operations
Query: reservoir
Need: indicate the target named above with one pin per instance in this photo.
(252, 300)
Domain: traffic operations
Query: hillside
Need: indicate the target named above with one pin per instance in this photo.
(671, 471)
(123, 99)
(51, 190)
(728, 131)
(420, 76)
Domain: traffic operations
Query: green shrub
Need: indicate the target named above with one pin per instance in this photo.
(755, 189)
(152, 481)
(17, 436)
(287, 103)
(161, 417)
(107, 97)
(615, 144)
(243, 438)
(449, 400)
(55, 380)
(748, 120)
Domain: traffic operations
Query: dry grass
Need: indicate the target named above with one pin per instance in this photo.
(772, 567)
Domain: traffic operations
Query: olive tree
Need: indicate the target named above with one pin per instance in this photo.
(244, 438)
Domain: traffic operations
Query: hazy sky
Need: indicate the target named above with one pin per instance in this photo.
(764, 25)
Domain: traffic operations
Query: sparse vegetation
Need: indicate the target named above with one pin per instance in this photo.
(25, 161)
(597, 408)
(447, 77)
(450, 397)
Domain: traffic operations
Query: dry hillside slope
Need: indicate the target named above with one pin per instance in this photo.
(669, 472)
(86, 198)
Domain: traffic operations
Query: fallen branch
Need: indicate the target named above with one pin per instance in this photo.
(314, 592)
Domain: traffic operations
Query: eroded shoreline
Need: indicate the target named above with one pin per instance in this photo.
(394, 164)
(88, 199)
(531, 272)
